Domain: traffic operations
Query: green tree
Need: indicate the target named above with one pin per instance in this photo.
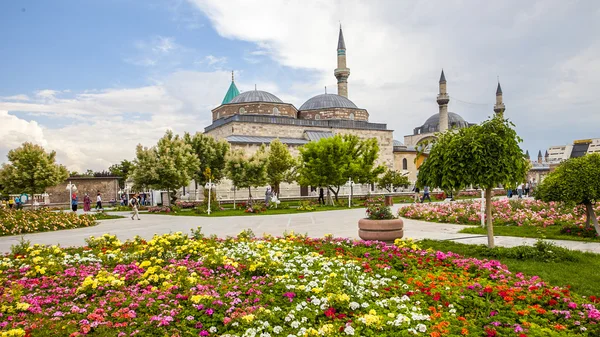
(247, 172)
(122, 170)
(168, 166)
(391, 180)
(31, 170)
(235, 167)
(280, 165)
(485, 155)
(329, 162)
(576, 180)
(211, 154)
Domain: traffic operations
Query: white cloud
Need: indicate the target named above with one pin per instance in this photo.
(16, 98)
(156, 50)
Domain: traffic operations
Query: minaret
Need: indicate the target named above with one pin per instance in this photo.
(499, 106)
(527, 154)
(546, 156)
(442, 100)
(341, 72)
(539, 156)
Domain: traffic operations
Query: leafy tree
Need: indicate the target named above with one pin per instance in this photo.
(31, 170)
(168, 166)
(329, 162)
(485, 155)
(235, 167)
(122, 170)
(211, 153)
(248, 172)
(391, 180)
(576, 180)
(280, 165)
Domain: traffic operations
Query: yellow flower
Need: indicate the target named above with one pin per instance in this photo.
(23, 306)
(13, 333)
(145, 264)
(248, 318)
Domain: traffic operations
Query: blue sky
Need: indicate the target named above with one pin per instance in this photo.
(91, 79)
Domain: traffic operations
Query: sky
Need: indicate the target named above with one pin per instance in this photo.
(92, 79)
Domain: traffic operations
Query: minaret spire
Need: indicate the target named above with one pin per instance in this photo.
(499, 107)
(442, 100)
(342, 72)
(232, 76)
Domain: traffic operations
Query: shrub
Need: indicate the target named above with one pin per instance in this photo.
(306, 205)
(377, 210)
(159, 209)
(579, 230)
(15, 222)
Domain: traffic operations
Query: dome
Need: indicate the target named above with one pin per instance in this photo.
(255, 96)
(454, 121)
(325, 101)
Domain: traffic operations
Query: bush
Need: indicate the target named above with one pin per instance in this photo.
(377, 210)
(306, 206)
(15, 222)
(188, 204)
(159, 209)
(256, 208)
(579, 230)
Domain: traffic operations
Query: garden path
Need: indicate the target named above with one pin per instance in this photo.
(341, 223)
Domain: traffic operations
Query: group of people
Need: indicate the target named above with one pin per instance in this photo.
(87, 202)
(523, 190)
(417, 194)
(12, 203)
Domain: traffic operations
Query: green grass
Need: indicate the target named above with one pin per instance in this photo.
(104, 216)
(581, 274)
(240, 212)
(550, 232)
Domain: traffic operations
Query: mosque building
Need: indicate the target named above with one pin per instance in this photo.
(252, 118)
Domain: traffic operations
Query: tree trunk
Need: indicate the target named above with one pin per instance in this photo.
(335, 193)
(591, 216)
(488, 217)
(234, 197)
(249, 196)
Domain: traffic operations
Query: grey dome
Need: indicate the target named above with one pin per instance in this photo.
(325, 101)
(255, 96)
(454, 121)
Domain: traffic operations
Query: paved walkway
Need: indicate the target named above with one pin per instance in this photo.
(317, 224)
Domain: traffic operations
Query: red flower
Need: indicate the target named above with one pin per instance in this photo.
(330, 312)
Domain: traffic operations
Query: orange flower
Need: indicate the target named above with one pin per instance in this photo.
(559, 326)
(464, 331)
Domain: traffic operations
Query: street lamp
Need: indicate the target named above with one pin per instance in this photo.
(209, 185)
(349, 183)
(72, 188)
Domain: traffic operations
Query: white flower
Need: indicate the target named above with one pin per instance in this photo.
(349, 330)
(354, 305)
(277, 329)
(213, 329)
(295, 324)
(365, 305)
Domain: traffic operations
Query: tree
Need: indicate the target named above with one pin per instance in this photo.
(211, 154)
(122, 170)
(329, 162)
(280, 165)
(391, 180)
(31, 170)
(485, 155)
(248, 172)
(576, 180)
(169, 165)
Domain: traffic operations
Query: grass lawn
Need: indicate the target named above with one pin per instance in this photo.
(240, 212)
(582, 274)
(104, 216)
(550, 232)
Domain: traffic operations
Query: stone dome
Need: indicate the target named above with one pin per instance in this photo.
(255, 96)
(326, 101)
(454, 121)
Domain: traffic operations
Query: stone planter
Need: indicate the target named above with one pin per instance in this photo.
(381, 230)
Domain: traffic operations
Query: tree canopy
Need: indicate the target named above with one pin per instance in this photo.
(280, 164)
(329, 162)
(392, 180)
(211, 154)
(247, 172)
(122, 170)
(576, 180)
(169, 165)
(31, 170)
(485, 155)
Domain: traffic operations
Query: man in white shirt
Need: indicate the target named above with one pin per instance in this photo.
(520, 190)
(98, 202)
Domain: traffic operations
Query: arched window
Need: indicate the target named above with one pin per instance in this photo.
(317, 116)
(351, 116)
(404, 164)
(242, 111)
(275, 111)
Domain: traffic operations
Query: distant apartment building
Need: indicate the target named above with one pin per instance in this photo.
(580, 147)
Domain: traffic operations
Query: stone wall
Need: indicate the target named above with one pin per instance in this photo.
(255, 108)
(335, 113)
(410, 161)
(108, 188)
(412, 140)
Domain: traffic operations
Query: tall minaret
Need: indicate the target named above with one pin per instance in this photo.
(499, 106)
(341, 72)
(442, 100)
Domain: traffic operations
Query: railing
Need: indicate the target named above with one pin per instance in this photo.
(327, 123)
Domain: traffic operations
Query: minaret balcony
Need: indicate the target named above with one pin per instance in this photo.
(341, 72)
(443, 99)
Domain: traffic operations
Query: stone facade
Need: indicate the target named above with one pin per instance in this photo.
(335, 113)
(107, 186)
(255, 108)
(404, 161)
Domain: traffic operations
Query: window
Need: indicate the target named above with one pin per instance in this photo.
(242, 111)
(317, 116)
(275, 111)
(351, 116)
(404, 164)
(218, 115)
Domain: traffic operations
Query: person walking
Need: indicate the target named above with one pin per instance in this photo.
(135, 203)
(268, 195)
(417, 195)
(98, 202)
(321, 196)
(74, 202)
(527, 187)
(87, 203)
(520, 190)
(11, 203)
(426, 194)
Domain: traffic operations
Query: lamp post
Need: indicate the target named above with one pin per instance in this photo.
(350, 183)
(209, 185)
(72, 188)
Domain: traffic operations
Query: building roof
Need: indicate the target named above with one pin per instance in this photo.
(325, 101)
(231, 93)
(255, 96)
(264, 140)
(499, 90)
(398, 143)
(442, 77)
(317, 135)
(341, 44)
(454, 120)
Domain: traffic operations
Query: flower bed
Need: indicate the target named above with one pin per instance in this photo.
(294, 286)
(16, 222)
(505, 212)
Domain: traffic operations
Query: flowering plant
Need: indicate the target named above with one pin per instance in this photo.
(15, 222)
(377, 210)
(159, 209)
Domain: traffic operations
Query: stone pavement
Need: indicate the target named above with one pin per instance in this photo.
(343, 223)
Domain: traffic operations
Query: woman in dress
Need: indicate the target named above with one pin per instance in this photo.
(87, 202)
(74, 202)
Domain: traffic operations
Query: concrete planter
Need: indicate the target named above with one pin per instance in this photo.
(381, 230)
